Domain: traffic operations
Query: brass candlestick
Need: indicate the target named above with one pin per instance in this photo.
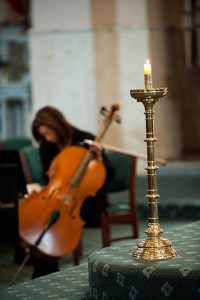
(154, 247)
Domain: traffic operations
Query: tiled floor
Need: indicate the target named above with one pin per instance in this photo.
(91, 242)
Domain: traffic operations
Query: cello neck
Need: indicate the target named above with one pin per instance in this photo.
(76, 179)
(110, 116)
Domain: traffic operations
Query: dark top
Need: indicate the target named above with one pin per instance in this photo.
(92, 207)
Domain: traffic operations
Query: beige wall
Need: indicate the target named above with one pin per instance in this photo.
(85, 54)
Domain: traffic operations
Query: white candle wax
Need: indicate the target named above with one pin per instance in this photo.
(147, 68)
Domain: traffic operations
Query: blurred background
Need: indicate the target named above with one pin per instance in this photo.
(83, 54)
(80, 55)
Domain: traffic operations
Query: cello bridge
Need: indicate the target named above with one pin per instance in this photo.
(65, 198)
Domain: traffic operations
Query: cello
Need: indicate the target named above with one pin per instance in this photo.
(49, 220)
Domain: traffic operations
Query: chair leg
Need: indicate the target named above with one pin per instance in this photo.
(77, 254)
(135, 224)
(105, 230)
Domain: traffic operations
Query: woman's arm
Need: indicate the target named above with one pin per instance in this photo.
(47, 153)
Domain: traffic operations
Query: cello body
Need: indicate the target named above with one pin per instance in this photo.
(50, 220)
(64, 195)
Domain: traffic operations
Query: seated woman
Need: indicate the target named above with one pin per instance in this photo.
(54, 133)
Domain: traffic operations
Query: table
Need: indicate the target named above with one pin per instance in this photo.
(114, 274)
(111, 273)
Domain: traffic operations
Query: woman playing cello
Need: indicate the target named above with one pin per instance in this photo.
(53, 133)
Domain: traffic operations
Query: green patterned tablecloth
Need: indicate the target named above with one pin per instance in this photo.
(68, 284)
(115, 275)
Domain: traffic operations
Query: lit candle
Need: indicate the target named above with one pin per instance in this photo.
(147, 76)
(147, 68)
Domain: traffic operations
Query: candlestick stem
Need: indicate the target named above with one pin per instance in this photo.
(154, 247)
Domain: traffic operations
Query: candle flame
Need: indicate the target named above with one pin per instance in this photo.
(148, 61)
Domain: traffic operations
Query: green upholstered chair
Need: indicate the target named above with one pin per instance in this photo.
(121, 210)
(31, 163)
(16, 143)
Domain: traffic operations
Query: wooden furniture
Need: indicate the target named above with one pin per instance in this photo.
(123, 211)
(12, 187)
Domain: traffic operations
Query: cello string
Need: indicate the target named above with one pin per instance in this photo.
(80, 172)
(77, 177)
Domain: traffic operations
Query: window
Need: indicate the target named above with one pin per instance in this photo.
(191, 32)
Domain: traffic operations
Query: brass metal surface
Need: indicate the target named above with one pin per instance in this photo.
(154, 247)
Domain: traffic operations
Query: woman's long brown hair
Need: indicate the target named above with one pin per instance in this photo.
(51, 117)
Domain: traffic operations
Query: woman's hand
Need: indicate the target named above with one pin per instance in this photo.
(97, 149)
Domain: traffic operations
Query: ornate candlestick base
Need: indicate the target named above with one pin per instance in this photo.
(154, 247)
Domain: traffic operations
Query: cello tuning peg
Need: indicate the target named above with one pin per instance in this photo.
(103, 110)
(118, 119)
